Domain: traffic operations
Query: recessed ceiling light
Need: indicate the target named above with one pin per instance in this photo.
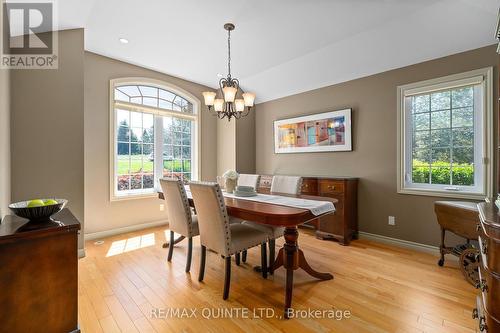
(123, 40)
(219, 75)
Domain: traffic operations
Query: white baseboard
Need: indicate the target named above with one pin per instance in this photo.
(400, 242)
(117, 231)
(81, 253)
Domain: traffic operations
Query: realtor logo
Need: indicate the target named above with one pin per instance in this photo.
(27, 38)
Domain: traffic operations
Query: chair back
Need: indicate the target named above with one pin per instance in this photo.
(286, 184)
(178, 210)
(213, 220)
(249, 180)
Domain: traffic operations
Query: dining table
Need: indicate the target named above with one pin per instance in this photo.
(290, 256)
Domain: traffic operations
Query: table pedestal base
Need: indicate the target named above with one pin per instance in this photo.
(292, 258)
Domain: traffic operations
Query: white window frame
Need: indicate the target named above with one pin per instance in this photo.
(483, 130)
(158, 168)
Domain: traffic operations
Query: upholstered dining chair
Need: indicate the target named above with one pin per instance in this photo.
(218, 233)
(280, 184)
(248, 180)
(180, 218)
(286, 184)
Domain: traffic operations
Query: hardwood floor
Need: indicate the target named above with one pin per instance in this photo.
(386, 289)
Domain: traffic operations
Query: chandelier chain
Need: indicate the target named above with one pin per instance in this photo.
(229, 52)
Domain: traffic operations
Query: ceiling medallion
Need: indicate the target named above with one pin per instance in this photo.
(229, 105)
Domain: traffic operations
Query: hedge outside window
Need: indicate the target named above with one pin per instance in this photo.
(154, 136)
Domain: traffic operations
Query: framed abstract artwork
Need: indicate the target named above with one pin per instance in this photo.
(327, 131)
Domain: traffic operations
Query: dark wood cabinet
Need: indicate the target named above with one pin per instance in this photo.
(488, 300)
(39, 275)
(343, 225)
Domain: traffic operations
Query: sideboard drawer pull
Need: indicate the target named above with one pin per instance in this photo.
(327, 186)
(475, 313)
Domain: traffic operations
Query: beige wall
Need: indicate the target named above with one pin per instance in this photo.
(245, 144)
(373, 159)
(100, 213)
(47, 128)
(236, 145)
(226, 146)
(4, 142)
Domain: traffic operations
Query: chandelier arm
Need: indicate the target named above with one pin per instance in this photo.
(237, 85)
(221, 85)
(248, 111)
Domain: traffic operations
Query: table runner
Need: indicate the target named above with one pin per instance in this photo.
(316, 207)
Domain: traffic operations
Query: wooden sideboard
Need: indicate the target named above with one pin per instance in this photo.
(488, 301)
(39, 274)
(343, 225)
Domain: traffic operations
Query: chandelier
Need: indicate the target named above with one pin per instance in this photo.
(229, 104)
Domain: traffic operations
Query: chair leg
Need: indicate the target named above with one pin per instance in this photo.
(203, 255)
(189, 254)
(441, 248)
(272, 246)
(237, 258)
(227, 278)
(244, 256)
(263, 259)
(171, 246)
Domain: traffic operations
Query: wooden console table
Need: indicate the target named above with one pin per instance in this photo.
(39, 274)
(343, 225)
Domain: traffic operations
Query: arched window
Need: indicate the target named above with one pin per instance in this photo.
(154, 134)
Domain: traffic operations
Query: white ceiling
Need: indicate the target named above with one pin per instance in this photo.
(280, 47)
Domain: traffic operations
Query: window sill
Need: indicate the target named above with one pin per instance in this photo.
(134, 196)
(443, 194)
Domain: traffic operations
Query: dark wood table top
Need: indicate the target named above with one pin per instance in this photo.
(13, 227)
(270, 214)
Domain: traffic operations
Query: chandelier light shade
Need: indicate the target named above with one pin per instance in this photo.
(231, 102)
(218, 104)
(240, 104)
(229, 94)
(209, 97)
(249, 99)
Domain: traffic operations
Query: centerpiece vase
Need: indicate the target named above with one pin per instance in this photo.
(230, 185)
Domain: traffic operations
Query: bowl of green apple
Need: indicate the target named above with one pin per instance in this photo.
(38, 210)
